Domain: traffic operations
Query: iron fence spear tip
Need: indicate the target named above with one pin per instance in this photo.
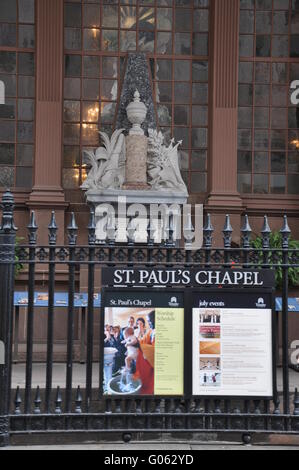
(92, 224)
(73, 225)
(32, 224)
(246, 227)
(227, 227)
(208, 226)
(266, 228)
(285, 229)
(53, 224)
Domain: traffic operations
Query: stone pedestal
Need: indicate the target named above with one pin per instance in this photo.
(136, 162)
(127, 204)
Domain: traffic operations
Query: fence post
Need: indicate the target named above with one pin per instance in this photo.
(285, 233)
(7, 260)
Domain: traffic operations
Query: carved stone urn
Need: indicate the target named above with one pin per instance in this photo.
(136, 112)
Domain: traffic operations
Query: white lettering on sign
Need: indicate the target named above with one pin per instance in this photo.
(235, 278)
(2, 92)
(295, 95)
(183, 277)
(2, 353)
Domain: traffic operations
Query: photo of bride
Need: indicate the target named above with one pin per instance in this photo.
(129, 351)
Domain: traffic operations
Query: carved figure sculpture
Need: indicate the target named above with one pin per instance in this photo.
(148, 160)
(163, 164)
(107, 163)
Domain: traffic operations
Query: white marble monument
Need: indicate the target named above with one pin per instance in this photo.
(142, 169)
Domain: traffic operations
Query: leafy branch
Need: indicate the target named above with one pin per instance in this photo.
(18, 265)
(275, 243)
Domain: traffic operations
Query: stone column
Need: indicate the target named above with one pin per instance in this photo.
(223, 122)
(136, 162)
(47, 192)
(136, 147)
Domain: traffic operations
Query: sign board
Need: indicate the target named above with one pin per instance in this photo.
(182, 277)
(143, 343)
(232, 351)
(207, 332)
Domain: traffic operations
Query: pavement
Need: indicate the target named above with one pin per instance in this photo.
(79, 376)
(154, 447)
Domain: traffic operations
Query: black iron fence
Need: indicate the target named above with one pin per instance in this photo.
(81, 409)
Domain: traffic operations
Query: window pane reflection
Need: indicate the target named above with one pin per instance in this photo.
(275, 119)
(101, 33)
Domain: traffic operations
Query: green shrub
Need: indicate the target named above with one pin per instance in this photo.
(276, 243)
(18, 265)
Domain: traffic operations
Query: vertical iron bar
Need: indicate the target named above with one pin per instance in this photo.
(246, 239)
(7, 259)
(131, 241)
(18, 402)
(150, 240)
(266, 233)
(37, 402)
(285, 232)
(82, 335)
(16, 334)
(90, 311)
(227, 237)
(32, 228)
(208, 231)
(50, 333)
(72, 237)
(188, 231)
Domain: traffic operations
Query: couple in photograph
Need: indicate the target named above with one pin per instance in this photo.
(135, 347)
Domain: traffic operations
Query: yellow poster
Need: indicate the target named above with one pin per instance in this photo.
(169, 351)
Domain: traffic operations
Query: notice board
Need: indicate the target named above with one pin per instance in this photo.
(232, 343)
(143, 342)
(212, 337)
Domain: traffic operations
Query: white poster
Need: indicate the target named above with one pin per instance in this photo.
(232, 351)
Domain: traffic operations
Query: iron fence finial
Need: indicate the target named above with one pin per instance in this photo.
(169, 231)
(8, 205)
(72, 230)
(246, 232)
(18, 402)
(266, 233)
(285, 233)
(78, 401)
(92, 228)
(52, 227)
(111, 230)
(208, 231)
(58, 401)
(32, 229)
(151, 232)
(296, 403)
(37, 401)
(131, 232)
(266, 228)
(189, 230)
(227, 232)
